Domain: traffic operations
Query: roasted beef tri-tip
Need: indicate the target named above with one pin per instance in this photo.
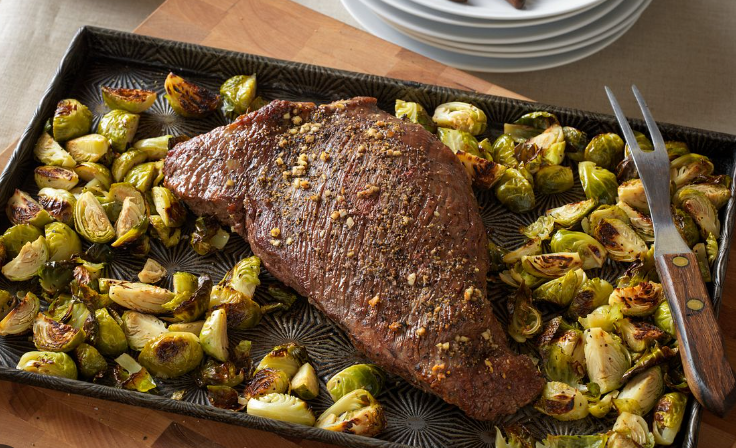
(374, 220)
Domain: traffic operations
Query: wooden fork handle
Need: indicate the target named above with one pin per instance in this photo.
(709, 375)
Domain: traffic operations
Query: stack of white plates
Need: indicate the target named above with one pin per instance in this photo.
(493, 36)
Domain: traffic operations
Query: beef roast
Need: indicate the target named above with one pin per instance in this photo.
(374, 220)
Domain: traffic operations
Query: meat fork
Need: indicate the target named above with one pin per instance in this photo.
(707, 370)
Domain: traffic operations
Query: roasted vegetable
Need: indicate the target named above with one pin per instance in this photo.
(89, 148)
(538, 120)
(541, 228)
(562, 402)
(575, 143)
(119, 127)
(553, 179)
(243, 277)
(562, 351)
(55, 177)
(458, 141)
(718, 194)
(48, 363)
(190, 327)
(685, 169)
(484, 173)
(152, 272)
(532, 247)
(525, 321)
(571, 214)
(71, 119)
(94, 174)
(237, 94)
(50, 335)
(23, 209)
(62, 241)
(355, 413)
(131, 100)
(358, 376)
(139, 296)
(598, 183)
(189, 100)
(111, 339)
(503, 151)
(215, 373)
(242, 312)
(461, 116)
(632, 193)
(637, 300)
(606, 359)
(140, 328)
(21, 317)
(213, 336)
(49, 152)
(131, 224)
(604, 211)
(668, 415)
(515, 191)
(131, 375)
(266, 381)
(90, 362)
(225, 397)
(551, 144)
(169, 207)
(591, 252)
(59, 204)
(191, 297)
(676, 149)
(605, 150)
(171, 355)
(286, 408)
(604, 317)
(91, 221)
(560, 291)
(287, 358)
(305, 383)
(620, 240)
(551, 265)
(641, 392)
(155, 148)
(415, 113)
(640, 222)
(143, 176)
(702, 211)
(639, 335)
(630, 431)
(208, 237)
(29, 261)
(125, 162)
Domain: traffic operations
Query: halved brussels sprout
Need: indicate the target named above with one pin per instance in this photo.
(155, 148)
(91, 221)
(189, 327)
(640, 222)
(71, 119)
(208, 237)
(152, 272)
(531, 247)
(603, 317)
(20, 318)
(171, 355)
(358, 376)
(55, 177)
(282, 407)
(655, 356)
(606, 359)
(529, 156)
(563, 356)
(553, 179)
(569, 215)
(7, 302)
(525, 321)
(685, 169)
(89, 148)
(458, 141)
(515, 191)
(243, 277)
(686, 226)
(213, 336)
(718, 194)
(169, 207)
(266, 381)
(641, 392)
(591, 252)
(50, 335)
(139, 296)
(461, 116)
(89, 361)
(29, 261)
(119, 127)
(140, 328)
(637, 300)
(538, 120)
(601, 407)
(131, 224)
(503, 151)
(484, 173)
(676, 149)
(541, 228)
(62, 241)
(125, 162)
(415, 113)
(191, 300)
(551, 144)
(214, 373)
(111, 339)
(605, 150)
(225, 397)
(551, 265)
(604, 211)
(132, 100)
(58, 203)
(48, 363)
(702, 211)
(355, 413)
(598, 183)
(305, 383)
(48, 152)
(639, 335)
(575, 143)
(94, 173)
(520, 132)
(562, 402)
(189, 100)
(702, 259)
(663, 318)
(668, 415)
(23, 209)
(516, 275)
(560, 291)
(142, 176)
(131, 375)
(237, 94)
(630, 431)
(242, 312)
(620, 240)
(632, 193)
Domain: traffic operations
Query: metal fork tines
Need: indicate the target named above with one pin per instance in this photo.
(654, 171)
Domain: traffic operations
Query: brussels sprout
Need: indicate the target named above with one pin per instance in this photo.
(89, 148)
(88, 274)
(702, 211)
(716, 193)
(461, 116)
(190, 327)
(515, 192)
(663, 318)
(355, 413)
(653, 357)
(23, 209)
(551, 265)
(55, 277)
(171, 355)
(131, 224)
(17, 236)
(676, 149)
(591, 252)
(605, 150)
(620, 240)
(48, 152)
(266, 381)
(560, 291)
(7, 302)
(48, 363)
(529, 156)
(243, 277)
(630, 431)
(155, 148)
(152, 272)
(575, 143)
(71, 119)
(604, 211)
(214, 335)
(562, 402)
(711, 248)
(111, 339)
(358, 376)
(551, 144)
(592, 293)
(686, 226)
(169, 237)
(91, 221)
(541, 228)
(640, 222)
(50, 335)
(237, 94)
(225, 397)
(125, 162)
(119, 127)
(518, 437)
(525, 321)
(503, 151)
(140, 328)
(415, 113)
(531, 247)
(208, 237)
(458, 141)
(639, 335)
(538, 120)
(600, 408)
(516, 275)
(685, 169)
(29, 261)
(571, 214)
(484, 173)
(282, 407)
(192, 300)
(139, 296)
(562, 441)
(520, 133)
(641, 392)
(142, 176)
(55, 177)
(637, 300)
(282, 296)
(702, 259)
(131, 100)
(305, 383)
(287, 358)
(603, 317)
(668, 415)
(606, 359)
(131, 375)
(58, 203)
(89, 361)
(632, 193)
(189, 100)
(598, 183)
(242, 312)
(169, 207)
(94, 173)
(553, 179)
(561, 349)
(21, 317)
(214, 373)
(62, 241)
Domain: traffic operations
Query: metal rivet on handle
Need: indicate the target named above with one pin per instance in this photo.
(680, 261)
(695, 304)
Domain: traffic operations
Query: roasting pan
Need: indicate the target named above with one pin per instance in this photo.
(98, 57)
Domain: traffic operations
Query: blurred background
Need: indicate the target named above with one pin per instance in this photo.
(680, 53)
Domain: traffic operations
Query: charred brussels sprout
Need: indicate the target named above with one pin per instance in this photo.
(551, 144)
(553, 179)
(169, 207)
(569, 215)
(551, 265)
(355, 413)
(668, 415)
(562, 402)
(606, 359)
(62, 241)
(50, 335)
(71, 119)
(225, 397)
(676, 149)
(49, 152)
(139, 296)
(189, 327)
(700, 209)
(131, 375)
(17, 236)
(143, 176)
(48, 363)
(718, 194)
(640, 222)
(189, 100)
(461, 116)
(532, 247)
(287, 358)
(29, 261)
(620, 240)
(213, 336)
(140, 328)
(663, 318)
(110, 337)
(575, 143)
(562, 351)
(560, 291)
(685, 169)
(131, 224)
(598, 183)
(91, 221)
(208, 237)
(515, 191)
(214, 373)
(89, 361)
(242, 312)
(641, 392)
(458, 141)
(592, 253)
(415, 113)
(171, 355)
(484, 173)
(55, 177)
(266, 381)
(125, 162)
(638, 300)
(20, 318)
(358, 376)
(131, 100)
(89, 148)
(630, 430)
(7, 302)
(58, 203)
(525, 321)
(603, 317)
(686, 226)
(604, 211)
(191, 297)
(632, 193)
(282, 407)
(237, 94)
(605, 150)
(639, 335)
(155, 148)
(538, 120)
(94, 174)
(23, 209)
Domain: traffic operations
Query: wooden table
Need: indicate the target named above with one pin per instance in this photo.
(38, 417)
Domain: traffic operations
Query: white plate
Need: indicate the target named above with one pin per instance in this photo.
(378, 27)
(603, 19)
(502, 10)
(418, 10)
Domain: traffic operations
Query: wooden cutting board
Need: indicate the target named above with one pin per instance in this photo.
(38, 417)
